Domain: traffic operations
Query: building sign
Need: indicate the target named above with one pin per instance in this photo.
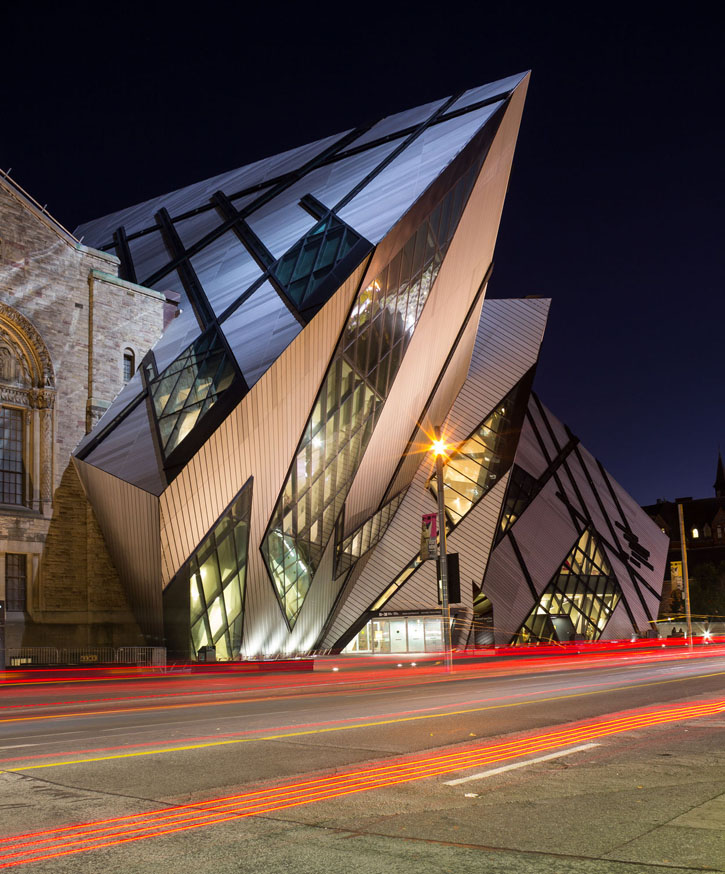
(429, 536)
(676, 574)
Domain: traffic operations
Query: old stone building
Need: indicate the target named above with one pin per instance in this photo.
(71, 333)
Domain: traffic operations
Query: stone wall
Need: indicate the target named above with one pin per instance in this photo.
(66, 303)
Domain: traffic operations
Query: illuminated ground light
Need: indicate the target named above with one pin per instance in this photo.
(53, 843)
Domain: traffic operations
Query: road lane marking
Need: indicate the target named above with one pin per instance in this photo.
(375, 724)
(17, 746)
(519, 765)
(82, 837)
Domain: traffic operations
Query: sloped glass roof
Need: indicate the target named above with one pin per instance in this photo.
(220, 242)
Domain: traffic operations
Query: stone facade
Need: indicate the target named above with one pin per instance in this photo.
(66, 322)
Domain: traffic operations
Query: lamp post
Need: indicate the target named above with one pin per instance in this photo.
(683, 546)
(439, 450)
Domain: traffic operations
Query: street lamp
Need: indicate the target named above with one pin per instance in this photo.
(439, 450)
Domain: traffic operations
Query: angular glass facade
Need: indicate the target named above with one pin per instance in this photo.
(520, 492)
(216, 574)
(187, 389)
(301, 270)
(584, 590)
(366, 536)
(478, 463)
(350, 401)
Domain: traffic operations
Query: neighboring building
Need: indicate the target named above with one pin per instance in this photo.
(259, 481)
(704, 520)
(71, 332)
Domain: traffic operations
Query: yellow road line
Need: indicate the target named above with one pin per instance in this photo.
(328, 729)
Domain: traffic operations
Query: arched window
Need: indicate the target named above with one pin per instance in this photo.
(27, 394)
(706, 530)
(129, 364)
(695, 533)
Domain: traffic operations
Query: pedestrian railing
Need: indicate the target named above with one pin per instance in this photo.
(152, 656)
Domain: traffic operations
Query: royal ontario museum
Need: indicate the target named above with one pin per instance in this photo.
(261, 479)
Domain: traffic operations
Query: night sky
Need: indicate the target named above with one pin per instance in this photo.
(615, 208)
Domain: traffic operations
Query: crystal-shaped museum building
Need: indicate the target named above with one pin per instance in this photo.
(260, 480)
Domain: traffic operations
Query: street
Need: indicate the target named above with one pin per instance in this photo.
(551, 763)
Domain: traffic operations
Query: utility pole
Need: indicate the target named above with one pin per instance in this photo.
(685, 574)
(445, 607)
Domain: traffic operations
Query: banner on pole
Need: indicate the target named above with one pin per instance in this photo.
(676, 575)
(429, 536)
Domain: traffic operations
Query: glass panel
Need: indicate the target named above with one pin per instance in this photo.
(301, 270)
(366, 536)
(189, 386)
(584, 589)
(416, 635)
(12, 468)
(478, 463)
(220, 560)
(519, 493)
(381, 636)
(398, 636)
(433, 635)
(350, 401)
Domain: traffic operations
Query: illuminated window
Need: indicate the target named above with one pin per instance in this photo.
(364, 366)
(582, 596)
(695, 533)
(129, 364)
(187, 389)
(478, 463)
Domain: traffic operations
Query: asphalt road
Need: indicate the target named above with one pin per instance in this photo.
(79, 752)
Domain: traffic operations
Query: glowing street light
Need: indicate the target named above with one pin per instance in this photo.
(439, 450)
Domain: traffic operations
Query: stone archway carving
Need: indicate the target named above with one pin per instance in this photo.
(27, 384)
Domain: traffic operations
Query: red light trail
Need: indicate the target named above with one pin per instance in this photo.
(80, 838)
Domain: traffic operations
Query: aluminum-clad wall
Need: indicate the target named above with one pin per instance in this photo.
(129, 520)
(545, 535)
(461, 274)
(471, 539)
(508, 338)
(257, 439)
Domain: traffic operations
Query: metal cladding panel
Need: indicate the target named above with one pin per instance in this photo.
(528, 453)
(129, 452)
(379, 205)
(650, 536)
(195, 227)
(549, 448)
(225, 269)
(317, 604)
(99, 232)
(392, 124)
(506, 588)
(129, 520)
(449, 385)
(259, 331)
(132, 389)
(181, 333)
(399, 544)
(459, 279)
(507, 346)
(486, 92)
(633, 601)
(619, 626)
(257, 439)
(561, 435)
(545, 534)
(577, 476)
(471, 539)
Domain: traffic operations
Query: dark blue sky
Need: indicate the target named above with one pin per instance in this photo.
(615, 208)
